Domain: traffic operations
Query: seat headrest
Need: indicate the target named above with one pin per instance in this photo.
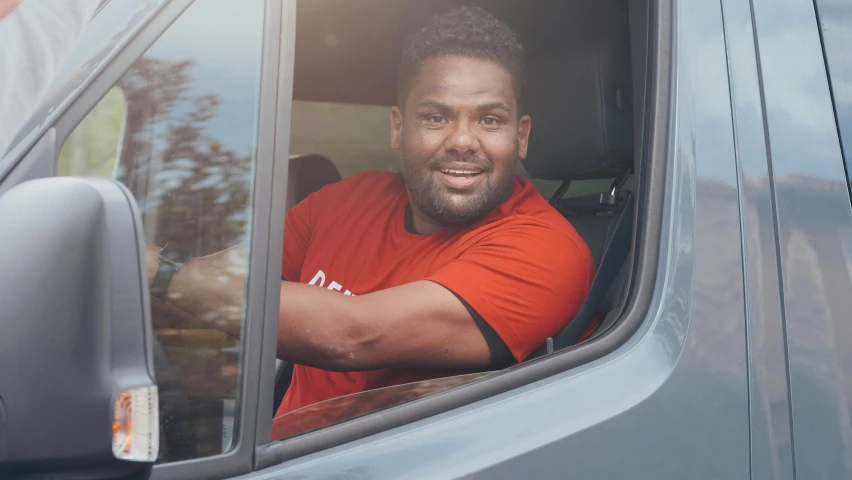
(580, 102)
(307, 174)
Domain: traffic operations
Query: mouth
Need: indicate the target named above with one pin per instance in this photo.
(461, 178)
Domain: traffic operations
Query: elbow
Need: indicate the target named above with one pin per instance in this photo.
(342, 358)
(353, 350)
(343, 337)
(352, 347)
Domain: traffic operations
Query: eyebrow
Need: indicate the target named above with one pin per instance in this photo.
(494, 106)
(443, 107)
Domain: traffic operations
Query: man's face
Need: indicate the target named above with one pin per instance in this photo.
(461, 138)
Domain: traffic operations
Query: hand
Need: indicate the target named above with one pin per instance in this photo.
(215, 281)
(211, 288)
(231, 262)
(8, 6)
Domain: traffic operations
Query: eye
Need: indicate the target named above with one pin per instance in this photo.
(436, 120)
(490, 121)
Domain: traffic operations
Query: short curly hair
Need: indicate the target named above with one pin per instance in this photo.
(465, 31)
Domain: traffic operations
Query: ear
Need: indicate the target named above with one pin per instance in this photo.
(396, 127)
(524, 126)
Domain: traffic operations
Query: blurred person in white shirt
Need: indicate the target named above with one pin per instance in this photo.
(36, 38)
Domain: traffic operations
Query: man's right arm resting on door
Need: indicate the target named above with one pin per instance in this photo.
(420, 324)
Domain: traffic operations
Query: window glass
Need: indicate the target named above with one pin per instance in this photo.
(348, 407)
(179, 130)
(835, 21)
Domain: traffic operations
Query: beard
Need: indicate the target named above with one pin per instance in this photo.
(450, 207)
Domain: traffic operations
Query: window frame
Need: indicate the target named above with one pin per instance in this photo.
(263, 283)
(652, 146)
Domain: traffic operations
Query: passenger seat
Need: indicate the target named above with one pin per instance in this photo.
(307, 174)
(581, 107)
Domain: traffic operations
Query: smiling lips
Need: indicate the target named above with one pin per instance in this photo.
(461, 177)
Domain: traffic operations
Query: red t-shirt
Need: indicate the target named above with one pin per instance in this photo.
(523, 268)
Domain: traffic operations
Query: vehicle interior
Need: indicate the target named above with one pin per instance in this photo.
(585, 58)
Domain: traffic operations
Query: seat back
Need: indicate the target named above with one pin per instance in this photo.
(616, 246)
(596, 230)
(611, 234)
(307, 174)
(579, 99)
(580, 102)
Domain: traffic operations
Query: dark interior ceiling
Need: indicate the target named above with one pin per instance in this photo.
(348, 50)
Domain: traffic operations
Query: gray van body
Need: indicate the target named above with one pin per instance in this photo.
(742, 367)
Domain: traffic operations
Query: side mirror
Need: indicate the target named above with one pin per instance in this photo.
(77, 388)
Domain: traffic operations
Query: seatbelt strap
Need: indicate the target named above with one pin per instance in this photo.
(611, 261)
(583, 205)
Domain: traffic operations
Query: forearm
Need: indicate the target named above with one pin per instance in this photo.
(416, 325)
(210, 292)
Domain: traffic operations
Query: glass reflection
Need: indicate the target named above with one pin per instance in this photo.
(344, 408)
(835, 19)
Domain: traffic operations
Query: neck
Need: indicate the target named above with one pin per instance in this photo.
(418, 223)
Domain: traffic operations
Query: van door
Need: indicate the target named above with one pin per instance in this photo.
(803, 48)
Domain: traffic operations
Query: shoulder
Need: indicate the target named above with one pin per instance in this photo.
(530, 232)
(526, 210)
(548, 240)
(366, 181)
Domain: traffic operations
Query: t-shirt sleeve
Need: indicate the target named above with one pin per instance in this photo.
(527, 281)
(297, 237)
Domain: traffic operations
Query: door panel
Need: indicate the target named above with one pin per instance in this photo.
(814, 229)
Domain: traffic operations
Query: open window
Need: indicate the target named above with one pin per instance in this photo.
(588, 67)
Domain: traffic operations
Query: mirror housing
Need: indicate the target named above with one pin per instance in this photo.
(75, 332)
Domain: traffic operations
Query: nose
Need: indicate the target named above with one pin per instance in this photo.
(462, 140)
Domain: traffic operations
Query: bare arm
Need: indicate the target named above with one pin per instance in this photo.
(420, 324)
(208, 290)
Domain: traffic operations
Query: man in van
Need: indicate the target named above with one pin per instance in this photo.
(456, 263)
